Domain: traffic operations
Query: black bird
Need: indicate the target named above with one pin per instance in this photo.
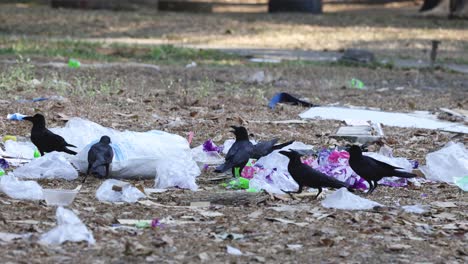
(240, 152)
(263, 148)
(44, 139)
(371, 169)
(304, 175)
(100, 157)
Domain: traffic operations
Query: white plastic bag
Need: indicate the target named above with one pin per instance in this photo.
(69, 228)
(447, 164)
(168, 175)
(136, 154)
(343, 199)
(23, 190)
(275, 176)
(21, 150)
(129, 193)
(50, 166)
(273, 181)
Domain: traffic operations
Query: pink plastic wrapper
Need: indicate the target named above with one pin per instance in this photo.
(334, 163)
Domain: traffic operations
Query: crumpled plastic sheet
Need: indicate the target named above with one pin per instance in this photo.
(21, 190)
(137, 155)
(270, 173)
(50, 166)
(129, 193)
(448, 164)
(22, 150)
(69, 228)
(344, 200)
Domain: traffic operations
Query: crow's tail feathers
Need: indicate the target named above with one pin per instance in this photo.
(404, 174)
(70, 145)
(280, 146)
(69, 151)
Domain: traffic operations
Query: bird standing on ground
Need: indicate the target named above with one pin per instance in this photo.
(373, 170)
(239, 153)
(100, 157)
(263, 148)
(305, 175)
(44, 139)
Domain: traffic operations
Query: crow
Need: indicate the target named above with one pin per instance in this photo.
(305, 175)
(371, 169)
(263, 148)
(44, 139)
(100, 157)
(240, 152)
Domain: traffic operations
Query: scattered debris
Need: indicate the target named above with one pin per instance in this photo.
(233, 251)
(447, 164)
(126, 193)
(417, 208)
(418, 119)
(343, 199)
(69, 228)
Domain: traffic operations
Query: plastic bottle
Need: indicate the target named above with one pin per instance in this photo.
(73, 63)
(16, 116)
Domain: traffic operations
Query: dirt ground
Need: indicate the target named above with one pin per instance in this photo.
(207, 100)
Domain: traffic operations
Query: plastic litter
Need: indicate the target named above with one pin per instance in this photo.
(419, 119)
(355, 83)
(417, 208)
(129, 193)
(50, 166)
(9, 137)
(69, 228)
(233, 251)
(238, 183)
(16, 116)
(2, 172)
(447, 164)
(22, 190)
(9, 237)
(73, 63)
(59, 197)
(21, 150)
(287, 98)
(137, 155)
(39, 99)
(207, 154)
(344, 200)
(462, 183)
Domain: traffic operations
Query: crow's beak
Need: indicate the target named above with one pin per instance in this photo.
(284, 152)
(234, 129)
(29, 118)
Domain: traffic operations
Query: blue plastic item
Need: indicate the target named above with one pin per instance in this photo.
(287, 98)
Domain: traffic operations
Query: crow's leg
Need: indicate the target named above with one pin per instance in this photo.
(371, 187)
(299, 190)
(319, 192)
(107, 170)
